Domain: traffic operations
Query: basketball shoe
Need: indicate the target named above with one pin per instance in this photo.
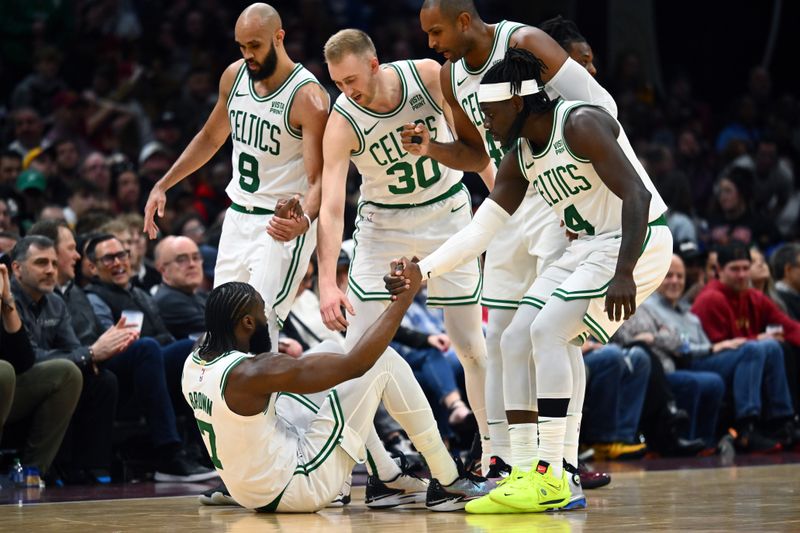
(486, 505)
(404, 491)
(219, 495)
(535, 491)
(343, 498)
(456, 495)
(498, 469)
(577, 499)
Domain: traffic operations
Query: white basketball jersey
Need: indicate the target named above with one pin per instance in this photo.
(390, 175)
(254, 455)
(571, 186)
(465, 82)
(267, 151)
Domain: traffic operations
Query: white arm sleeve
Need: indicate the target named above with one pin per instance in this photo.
(573, 82)
(468, 243)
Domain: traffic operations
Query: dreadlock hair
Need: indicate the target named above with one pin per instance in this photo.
(517, 66)
(226, 306)
(563, 31)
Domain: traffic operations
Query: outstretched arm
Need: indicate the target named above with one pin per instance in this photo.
(268, 373)
(592, 134)
(473, 239)
(564, 76)
(204, 145)
(339, 141)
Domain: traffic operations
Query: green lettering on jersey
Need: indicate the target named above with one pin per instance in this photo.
(584, 183)
(254, 131)
(200, 401)
(472, 109)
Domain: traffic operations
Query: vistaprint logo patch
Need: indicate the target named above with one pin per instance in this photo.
(277, 108)
(417, 102)
(559, 146)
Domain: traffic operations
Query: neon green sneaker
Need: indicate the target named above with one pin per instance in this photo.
(485, 505)
(538, 491)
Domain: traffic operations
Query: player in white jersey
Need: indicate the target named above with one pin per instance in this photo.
(275, 112)
(232, 383)
(578, 158)
(532, 237)
(409, 204)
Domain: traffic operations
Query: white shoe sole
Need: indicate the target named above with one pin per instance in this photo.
(218, 498)
(413, 500)
(194, 478)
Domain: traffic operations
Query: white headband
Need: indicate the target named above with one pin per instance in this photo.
(497, 92)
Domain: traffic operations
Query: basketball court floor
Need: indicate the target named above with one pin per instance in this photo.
(747, 493)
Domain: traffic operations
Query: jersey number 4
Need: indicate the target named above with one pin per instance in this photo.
(575, 222)
(205, 427)
(413, 175)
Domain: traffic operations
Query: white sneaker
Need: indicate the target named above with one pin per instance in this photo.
(343, 498)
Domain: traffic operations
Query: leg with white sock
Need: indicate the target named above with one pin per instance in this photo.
(558, 323)
(499, 440)
(575, 409)
(464, 327)
(519, 386)
(392, 381)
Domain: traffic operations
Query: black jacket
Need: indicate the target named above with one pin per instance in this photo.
(49, 327)
(118, 300)
(182, 313)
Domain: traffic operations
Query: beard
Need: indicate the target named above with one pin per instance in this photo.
(260, 342)
(267, 67)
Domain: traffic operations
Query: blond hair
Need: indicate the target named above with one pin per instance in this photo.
(350, 41)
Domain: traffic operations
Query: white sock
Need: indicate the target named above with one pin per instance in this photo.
(500, 439)
(573, 431)
(551, 442)
(382, 465)
(429, 444)
(524, 445)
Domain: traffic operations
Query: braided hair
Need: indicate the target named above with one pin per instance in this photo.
(563, 31)
(226, 306)
(517, 66)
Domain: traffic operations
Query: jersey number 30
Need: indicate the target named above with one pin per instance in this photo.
(413, 175)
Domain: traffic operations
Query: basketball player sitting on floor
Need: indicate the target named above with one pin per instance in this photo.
(263, 459)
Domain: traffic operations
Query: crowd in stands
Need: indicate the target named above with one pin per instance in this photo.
(97, 99)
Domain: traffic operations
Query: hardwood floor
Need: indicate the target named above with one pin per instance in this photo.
(763, 498)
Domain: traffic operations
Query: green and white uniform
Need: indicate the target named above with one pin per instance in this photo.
(532, 236)
(296, 454)
(271, 461)
(409, 204)
(572, 189)
(267, 167)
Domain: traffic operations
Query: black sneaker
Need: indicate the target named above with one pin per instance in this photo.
(750, 440)
(181, 469)
(219, 495)
(406, 490)
(497, 469)
(454, 497)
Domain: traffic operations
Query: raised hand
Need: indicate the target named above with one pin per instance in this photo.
(156, 202)
(409, 279)
(416, 139)
(288, 222)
